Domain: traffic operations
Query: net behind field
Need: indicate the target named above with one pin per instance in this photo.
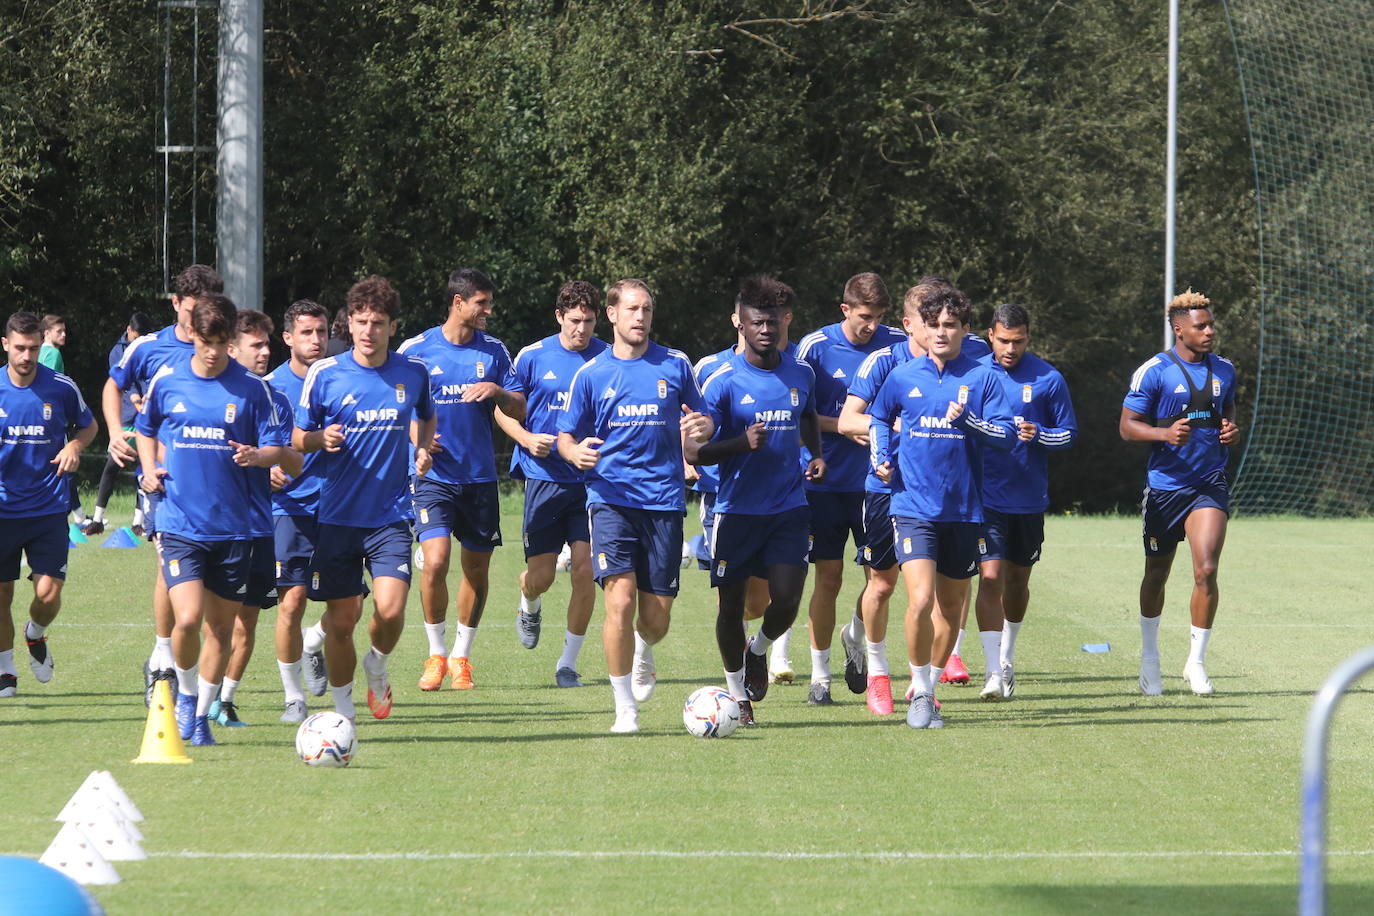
(1307, 71)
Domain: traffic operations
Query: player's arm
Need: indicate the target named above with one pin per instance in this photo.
(330, 439)
(1064, 431)
(1136, 427)
(996, 428)
(811, 438)
(540, 445)
(717, 450)
(853, 420)
(151, 479)
(120, 450)
(69, 457)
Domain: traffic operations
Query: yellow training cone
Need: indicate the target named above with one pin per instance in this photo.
(161, 740)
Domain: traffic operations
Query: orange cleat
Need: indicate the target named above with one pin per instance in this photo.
(380, 708)
(461, 672)
(880, 695)
(436, 666)
(955, 672)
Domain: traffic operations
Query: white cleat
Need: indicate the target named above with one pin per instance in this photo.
(994, 689)
(1197, 679)
(1008, 682)
(1151, 682)
(643, 679)
(626, 721)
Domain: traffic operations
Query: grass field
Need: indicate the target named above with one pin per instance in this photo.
(1078, 796)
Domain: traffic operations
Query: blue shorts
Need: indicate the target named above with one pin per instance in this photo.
(1012, 536)
(834, 518)
(341, 552)
(470, 512)
(42, 538)
(555, 514)
(1164, 512)
(149, 503)
(747, 545)
(646, 542)
(262, 575)
(222, 566)
(708, 523)
(294, 541)
(952, 545)
(876, 550)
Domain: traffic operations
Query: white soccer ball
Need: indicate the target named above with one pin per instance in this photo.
(326, 739)
(711, 713)
(564, 561)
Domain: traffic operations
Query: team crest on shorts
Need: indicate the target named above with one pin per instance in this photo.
(601, 561)
(47, 411)
(400, 394)
(279, 569)
(720, 568)
(1154, 545)
(231, 411)
(175, 567)
(906, 545)
(963, 394)
(983, 546)
(868, 554)
(481, 369)
(315, 581)
(424, 516)
(1025, 394)
(795, 401)
(663, 388)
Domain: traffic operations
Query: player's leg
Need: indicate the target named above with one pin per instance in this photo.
(988, 609)
(618, 639)
(46, 545)
(1015, 602)
(290, 651)
(1206, 528)
(341, 616)
(955, 671)
(9, 677)
(436, 545)
(919, 576)
(261, 593)
(582, 589)
(657, 564)
(1163, 528)
(545, 506)
(109, 475)
(730, 598)
(876, 600)
(828, 533)
(472, 600)
(294, 540)
(535, 579)
(387, 552)
(335, 576)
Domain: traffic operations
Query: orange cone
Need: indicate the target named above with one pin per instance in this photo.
(161, 739)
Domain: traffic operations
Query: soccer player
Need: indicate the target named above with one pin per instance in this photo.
(54, 329)
(469, 372)
(763, 405)
(628, 410)
(1183, 402)
(835, 352)
(555, 493)
(219, 431)
(37, 406)
(139, 324)
(363, 409)
(1016, 491)
(134, 373)
(950, 407)
(295, 503)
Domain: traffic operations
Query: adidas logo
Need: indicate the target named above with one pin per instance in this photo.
(914, 393)
(838, 373)
(747, 399)
(349, 399)
(1180, 390)
(436, 371)
(609, 392)
(404, 567)
(3, 415)
(549, 375)
(179, 408)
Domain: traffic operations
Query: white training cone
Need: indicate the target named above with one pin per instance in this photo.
(106, 782)
(96, 792)
(73, 854)
(109, 834)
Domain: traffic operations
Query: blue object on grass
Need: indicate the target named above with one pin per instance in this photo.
(121, 537)
(32, 887)
(1096, 647)
(76, 534)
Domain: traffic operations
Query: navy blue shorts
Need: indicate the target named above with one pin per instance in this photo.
(708, 523)
(876, 550)
(42, 538)
(471, 512)
(262, 574)
(747, 545)
(555, 514)
(646, 542)
(834, 518)
(222, 566)
(952, 545)
(149, 503)
(1013, 536)
(342, 551)
(294, 541)
(1164, 512)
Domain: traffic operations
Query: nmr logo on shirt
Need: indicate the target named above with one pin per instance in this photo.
(934, 423)
(374, 414)
(772, 416)
(451, 391)
(28, 430)
(636, 410)
(202, 432)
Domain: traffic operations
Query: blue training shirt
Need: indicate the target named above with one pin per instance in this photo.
(1159, 390)
(873, 371)
(1018, 481)
(146, 355)
(301, 496)
(769, 480)
(709, 479)
(635, 406)
(364, 483)
(940, 465)
(34, 419)
(543, 372)
(209, 498)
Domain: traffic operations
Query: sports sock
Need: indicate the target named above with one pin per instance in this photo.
(734, 682)
(291, 680)
(186, 680)
(624, 697)
(992, 649)
(572, 645)
(79, 514)
(378, 659)
(137, 520)
(312, 639)
(760, 643)
(958, 642)
(462, 643)
(162, 653)
(343, 700)
(434, 632)
(1010, 631)
(34, 631)
(205, 695)
(643, 650)
(1149, 637)
(1197, 648)
(99, 514)
(854, 630)
(820, 665)
(7, 662)
(935, 673)
(778, 654)
(921, 678)
(228, 689)
(531, 605)
(877, 658)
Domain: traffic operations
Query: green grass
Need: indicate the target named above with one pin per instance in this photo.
(1078, 796)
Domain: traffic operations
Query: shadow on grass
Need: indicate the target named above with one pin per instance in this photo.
(1192, 899)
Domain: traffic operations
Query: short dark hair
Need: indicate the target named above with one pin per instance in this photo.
(49, 322)
(619, 287)
(1011, 315)
(934, 280)
(946, 299)
(467, 282)
(214, 317)
(26, 323)
(757, 292)
(577, 294)
(251, 321)
(303, 308)
(142, 323)
(1185, 302)
(198, 280)
(374, 294)
(867, 289)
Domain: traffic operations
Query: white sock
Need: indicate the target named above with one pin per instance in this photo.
(1149, 637)
(1197, 648)
(642, 649)
(958, 642)
(377, 659)
(992, 649)
(778, 654)
(228, 689)
(343, 700)
(877, 658)
(99, 514)
(291, 680)
(734, 682)
(1010, 631)
(312, 638)
(935, 674)
(434, 632)
(624, 697)
(162, 653)
(820, 665)
(462, 643)
(760, 643)
(34, 631)
(137, 520)
(186, 679)
(921, 678)
(531, 605)
(7, 662)
(572, 645)
(854, 630)
(80, 515)
(205, 695)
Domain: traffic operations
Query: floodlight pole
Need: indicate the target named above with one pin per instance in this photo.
(1171, 171)
(240, 210)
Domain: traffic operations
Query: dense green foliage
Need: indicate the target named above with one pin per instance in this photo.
(1016, 147)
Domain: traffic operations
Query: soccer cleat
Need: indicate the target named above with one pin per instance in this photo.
(228, 715)
(566, 677)
(855, 661)
(1197, 679)
(993, 689)
(746, 713)
(9, 685)
(879, 695)
(782, 673)
(436, 666)
(626, 721)
(1151, 683)
(40, 659)
(201, 735)
(149, 679)
(955, 672)
(819, 695)
(92, 527)
(295, 713)
(922, 712)
(381, 708)
(755, 673)
(186, 714)
(1008, 682)
(460, 674)
(643, 679)
(527, 628)
(316, 676)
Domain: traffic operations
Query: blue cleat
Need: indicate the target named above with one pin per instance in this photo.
(924, 712)
(200, 734)
(186, 714)
(227, 714)
(567, 677)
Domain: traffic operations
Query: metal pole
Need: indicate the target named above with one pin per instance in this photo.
(1312, 877)
(240, 211)
(1171, 171)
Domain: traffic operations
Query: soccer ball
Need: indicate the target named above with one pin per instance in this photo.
(326, 739)
(711, 713)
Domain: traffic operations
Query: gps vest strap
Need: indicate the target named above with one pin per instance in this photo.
(1201, 411)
